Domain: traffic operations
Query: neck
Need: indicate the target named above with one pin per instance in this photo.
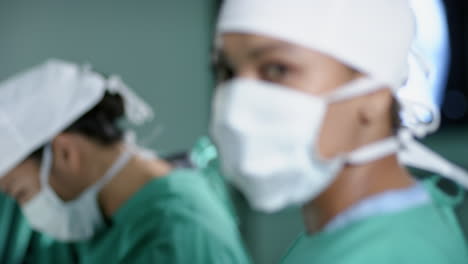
(130, 180)
(352, 185)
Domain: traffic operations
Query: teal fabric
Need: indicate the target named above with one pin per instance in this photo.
(427, 234)
(15, 234)
(175, 219)
(204, 156)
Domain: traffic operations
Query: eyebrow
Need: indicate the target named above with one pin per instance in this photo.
(219, 56)
(260, 51)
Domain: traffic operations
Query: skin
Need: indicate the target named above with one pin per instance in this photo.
(79, 162)
(364, 119)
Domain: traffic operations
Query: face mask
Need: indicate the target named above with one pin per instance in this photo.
(268, 137)
(68, 221)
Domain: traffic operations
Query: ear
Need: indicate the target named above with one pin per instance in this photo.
(375, 108)
(67, 158)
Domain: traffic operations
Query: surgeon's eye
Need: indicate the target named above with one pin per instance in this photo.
(274, 72)
(223, 73)
(222, 70)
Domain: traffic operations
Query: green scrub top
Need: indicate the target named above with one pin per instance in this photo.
(184, 217)
(428, 234)
(174, 219)
(15, 234)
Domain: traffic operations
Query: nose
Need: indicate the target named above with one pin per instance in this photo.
(247, 73)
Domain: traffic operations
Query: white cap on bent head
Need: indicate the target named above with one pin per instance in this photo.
(38, 104)
(372, 36)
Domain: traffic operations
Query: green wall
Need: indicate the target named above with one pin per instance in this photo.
(159, 47)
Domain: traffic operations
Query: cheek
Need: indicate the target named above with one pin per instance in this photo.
(340, 130)
(60, 184)
(323, 79)
(68, 186)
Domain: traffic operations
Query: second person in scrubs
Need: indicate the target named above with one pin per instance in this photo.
(89, 195)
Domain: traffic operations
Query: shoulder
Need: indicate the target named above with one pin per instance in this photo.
(416, 236)
(182, 243)
(184, 197)
(181, 218)
(425, 234)
(190, 189)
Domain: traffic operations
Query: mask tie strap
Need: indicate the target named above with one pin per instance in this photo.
(118, 165)
(356, 88)
(415, 154)
(46, 165)
(373, 151)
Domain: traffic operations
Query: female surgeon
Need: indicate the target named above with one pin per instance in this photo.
(307, 113)
(91, 196)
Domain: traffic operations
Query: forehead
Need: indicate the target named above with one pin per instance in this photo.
(251, 39)
(243, 42)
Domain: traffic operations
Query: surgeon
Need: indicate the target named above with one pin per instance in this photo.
(90, 195)
(307, 114)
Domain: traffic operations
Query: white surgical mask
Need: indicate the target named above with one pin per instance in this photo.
(268, 139)
(73, 220)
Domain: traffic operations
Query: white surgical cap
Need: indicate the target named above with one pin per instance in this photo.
(372, 36)
(38, 104)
